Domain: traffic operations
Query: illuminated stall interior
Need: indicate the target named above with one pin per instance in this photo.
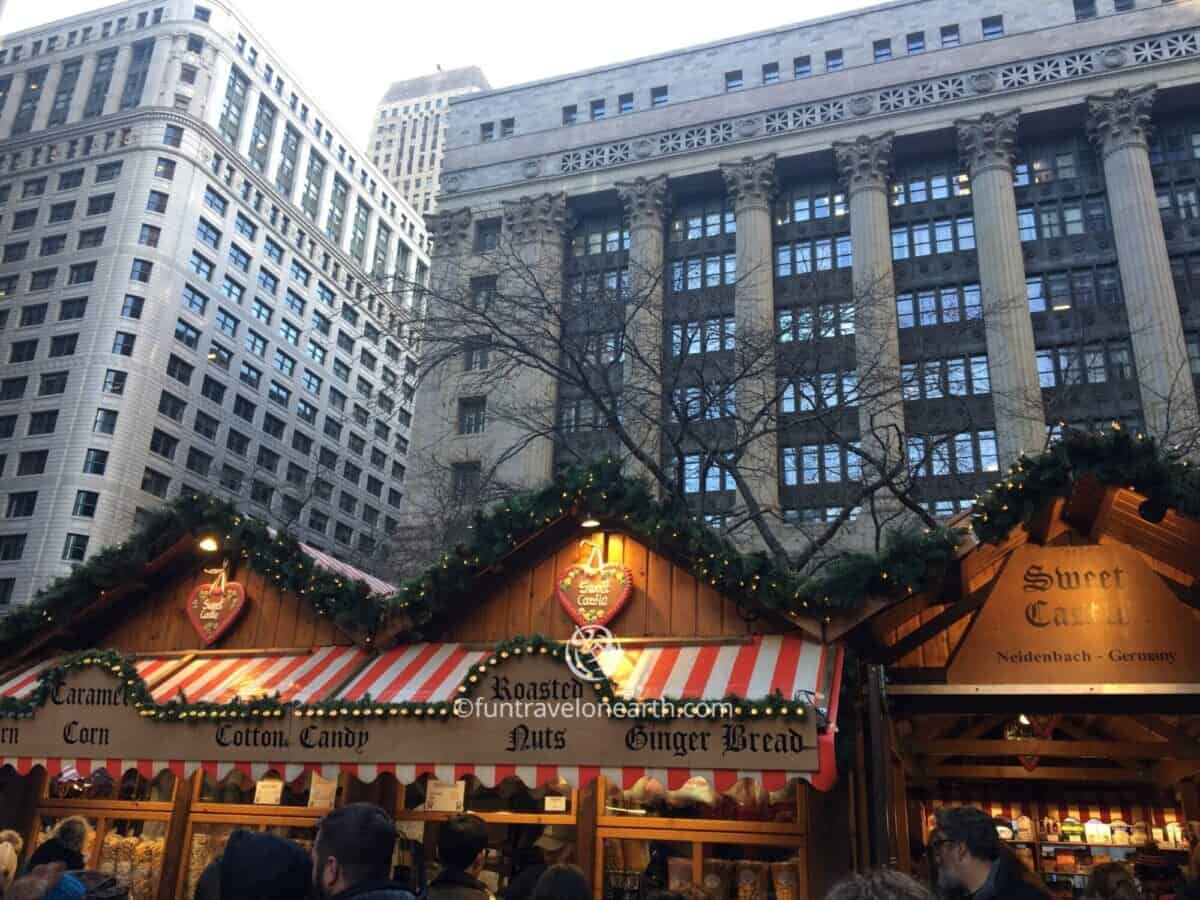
(1051, 674)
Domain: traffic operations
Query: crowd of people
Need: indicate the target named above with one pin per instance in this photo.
(351, 859)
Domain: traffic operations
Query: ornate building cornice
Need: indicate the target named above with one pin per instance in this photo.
(989, 141)
(942, 90)
(449, 231)
(542, 218)
(645, 201)
(751, 180)
(1122, 118)
(864, 163)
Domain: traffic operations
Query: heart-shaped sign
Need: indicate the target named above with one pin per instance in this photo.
(592, 595)
(213, 608)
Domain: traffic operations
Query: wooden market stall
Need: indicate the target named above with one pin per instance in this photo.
(1051, 674)
(171, 695)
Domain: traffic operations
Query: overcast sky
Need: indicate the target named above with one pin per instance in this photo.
(346, 52)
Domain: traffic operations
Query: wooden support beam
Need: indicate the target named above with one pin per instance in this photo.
(1161, 727)
(1080, 733)
(1092, 749)
(937, 624)
(975, 729)
(1041, 773)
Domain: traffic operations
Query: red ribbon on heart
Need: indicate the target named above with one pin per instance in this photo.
(213, 608)
(593, 593)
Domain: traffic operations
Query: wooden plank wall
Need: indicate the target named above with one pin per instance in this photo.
(666, 601)
(935, 652)
(272, 618)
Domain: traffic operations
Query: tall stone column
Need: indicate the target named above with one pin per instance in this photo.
(863, 165)
(46, 100)
(1118, 125)
(645, 202)
(751, 184)
(249, 116)
(9, 113)
(158, 80)
(116, 87)
(987, 145)
(83, 84)
(535, 231)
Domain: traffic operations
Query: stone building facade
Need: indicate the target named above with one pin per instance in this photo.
(408, 134)
(190, 291)
(998, 202)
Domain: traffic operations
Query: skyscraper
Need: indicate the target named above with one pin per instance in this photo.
(408, 134)
(194, 291)
(905, 242)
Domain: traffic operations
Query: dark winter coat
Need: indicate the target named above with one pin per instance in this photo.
(374, 890)
(1006, 883)
(452, 884)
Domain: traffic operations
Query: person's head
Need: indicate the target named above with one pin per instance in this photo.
(1111, 881)
(72, 832)
(462, 843)
(880, 884)
(562, 882)
(208, 885)
(257, 866)
(354, 845)
(556, 843)
(963, 846)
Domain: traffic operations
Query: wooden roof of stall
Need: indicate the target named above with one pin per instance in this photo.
(920, 634)
(965, 736)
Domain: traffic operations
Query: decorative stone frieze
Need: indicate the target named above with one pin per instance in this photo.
(922, 94)
(543, 218)
(1120, 119)
(449, 230)
(645, 201)
(751, 181)
(863, 163)
(989, 141)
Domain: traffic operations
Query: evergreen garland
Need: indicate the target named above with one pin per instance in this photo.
(909, 561)
(277, 557)
(1115, 457)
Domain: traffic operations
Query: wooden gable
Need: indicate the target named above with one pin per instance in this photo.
(667, 600)
(150, 616)
(907, 635)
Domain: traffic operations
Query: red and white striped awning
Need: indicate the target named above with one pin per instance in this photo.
(302, 677)
(379, 587)
(795, 667)
(766, 665)
(21, 684)
(415, 673)
(431, 673)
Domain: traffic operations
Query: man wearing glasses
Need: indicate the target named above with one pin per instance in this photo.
(970, 858)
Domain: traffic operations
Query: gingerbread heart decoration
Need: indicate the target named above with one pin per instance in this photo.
(1043, 728)
(593, 593)
(213, 608)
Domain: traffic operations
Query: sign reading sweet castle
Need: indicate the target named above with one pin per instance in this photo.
(1095, 615)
